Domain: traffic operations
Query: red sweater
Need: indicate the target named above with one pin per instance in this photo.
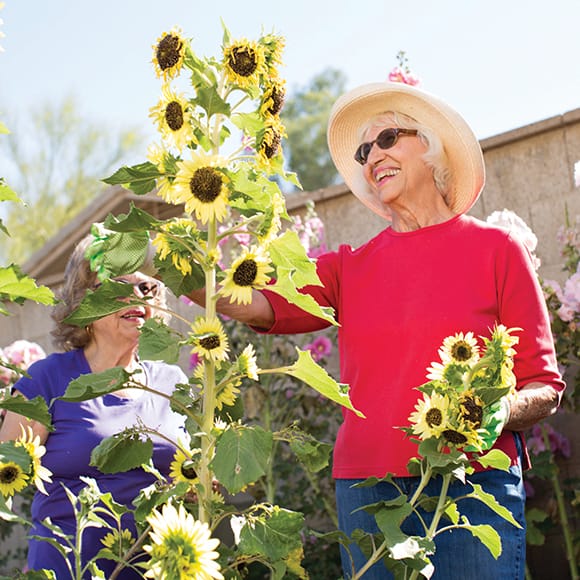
(396, 298)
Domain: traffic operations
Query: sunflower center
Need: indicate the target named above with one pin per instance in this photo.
(461, 351)
(270, 146)
(454, 437)
(242, 61)
(174, 115)
(434, 417)
(188, 471)
(168, 51)
(206, 184)
(210, 342)
(9, 474)
(245, 273)
(472, 412)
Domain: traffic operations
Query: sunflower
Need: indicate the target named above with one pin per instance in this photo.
(210, 340)
(12, 478)
(202, 186)
(461, 435)
(273, 98)
(245, 63)
(273, 48)
(173, 117)
(246, 272)
(181, 548)
(471, 409)
(272, 220)
(174, 239)
(502, 337)
(431, 415)
(181, 469)
(118, 543)
(168, 55)
(227, 395)
(269, 140)
(247, 363)
(34, 448)
(460, 349)
(161, 158)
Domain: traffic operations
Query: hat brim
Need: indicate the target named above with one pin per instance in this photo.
(355, 108)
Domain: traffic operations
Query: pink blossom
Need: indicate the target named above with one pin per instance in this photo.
(559, 443)
(21, 353)
(572, 292)
(193, 360)
(398, 75)
(320, 348)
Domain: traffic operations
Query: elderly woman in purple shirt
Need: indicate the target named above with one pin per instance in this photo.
(109, 342)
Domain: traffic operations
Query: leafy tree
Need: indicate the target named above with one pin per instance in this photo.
(305, 115)
(56, 159)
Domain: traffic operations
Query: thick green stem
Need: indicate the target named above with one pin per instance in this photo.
(563, 514)
(209, 390)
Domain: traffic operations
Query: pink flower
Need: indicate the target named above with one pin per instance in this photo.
(398, 75)
(320, 348)
(193, 360)
(21, 353)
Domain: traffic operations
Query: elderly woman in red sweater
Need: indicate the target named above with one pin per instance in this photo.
(431, 273)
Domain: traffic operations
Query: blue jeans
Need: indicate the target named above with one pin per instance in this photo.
(458, 554)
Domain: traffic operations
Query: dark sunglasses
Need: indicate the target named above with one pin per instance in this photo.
(150, 289)
(385, 140)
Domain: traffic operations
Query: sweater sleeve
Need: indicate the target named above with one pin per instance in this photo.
(522, 305)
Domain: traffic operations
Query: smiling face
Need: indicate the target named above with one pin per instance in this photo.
(399, 176)
(122, 328)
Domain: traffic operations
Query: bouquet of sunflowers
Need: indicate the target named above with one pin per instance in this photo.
(465, 403)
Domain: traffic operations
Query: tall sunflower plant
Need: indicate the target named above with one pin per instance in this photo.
(455, 423)
(219, 156)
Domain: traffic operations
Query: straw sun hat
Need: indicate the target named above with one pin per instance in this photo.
(353, 109)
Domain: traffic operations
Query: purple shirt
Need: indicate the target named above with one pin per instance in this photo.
(79, 427)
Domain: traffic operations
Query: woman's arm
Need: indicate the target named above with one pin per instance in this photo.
(532, 403)
(258, 314)
(12, 425)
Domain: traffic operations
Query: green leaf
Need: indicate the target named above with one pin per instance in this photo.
(95, 385)
(534, 535)
(136, 220)
(489, 500)
(209, 99)
(102, 302)
(158, 342)
(495, 458)
(6, 193)
(35, 409)
(315, 376)
(487, 535)
(288, 252)
(7, 514)
(13, 453)
(16, 287)
(117, 253)
(140, 179)
(241, 456)
(275, 535)
(314, 455)
(121, 452)
(286, 288)
(178, 283)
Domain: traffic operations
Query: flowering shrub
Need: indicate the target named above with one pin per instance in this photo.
(546, 445)
(402, 73)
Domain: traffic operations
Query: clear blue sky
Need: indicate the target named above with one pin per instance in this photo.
(502, 63)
